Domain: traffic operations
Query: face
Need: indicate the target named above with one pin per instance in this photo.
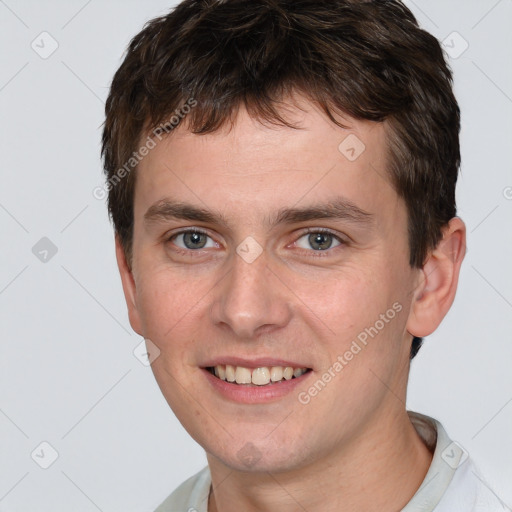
(261, 248)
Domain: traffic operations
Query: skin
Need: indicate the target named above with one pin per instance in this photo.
(352, 447)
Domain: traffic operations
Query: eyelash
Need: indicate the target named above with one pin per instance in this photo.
(315, 254)
(323, 231)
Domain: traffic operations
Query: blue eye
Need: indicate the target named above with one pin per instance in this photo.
(319, 240)
(192, 240)
(314, 240)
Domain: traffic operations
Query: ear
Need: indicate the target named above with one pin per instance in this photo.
(129, 289)
(439, 276)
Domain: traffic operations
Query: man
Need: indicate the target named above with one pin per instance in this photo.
(282, 180)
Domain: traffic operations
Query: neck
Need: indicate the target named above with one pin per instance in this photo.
(380, 471)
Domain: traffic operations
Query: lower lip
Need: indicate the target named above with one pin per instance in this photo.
(252, 394)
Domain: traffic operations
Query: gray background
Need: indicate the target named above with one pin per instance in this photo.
(68, 375)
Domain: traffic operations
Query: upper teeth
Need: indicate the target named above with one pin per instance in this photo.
(257, 376)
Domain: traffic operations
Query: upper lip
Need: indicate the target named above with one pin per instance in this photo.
(257, 362)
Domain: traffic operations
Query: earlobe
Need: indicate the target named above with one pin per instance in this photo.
(129, 288)
(439, 278)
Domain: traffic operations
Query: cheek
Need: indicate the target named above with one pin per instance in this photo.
(361, 315)
(346, 301)
(165, 301)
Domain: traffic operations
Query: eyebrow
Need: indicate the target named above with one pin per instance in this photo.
(338, 208)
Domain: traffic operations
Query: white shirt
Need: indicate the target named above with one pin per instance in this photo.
(452, 483)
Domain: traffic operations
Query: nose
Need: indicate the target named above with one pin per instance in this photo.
(250, 300)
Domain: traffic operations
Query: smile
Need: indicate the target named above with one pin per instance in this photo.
(262, 376)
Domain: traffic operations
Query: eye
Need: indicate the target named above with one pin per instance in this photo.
(192, 239)
(319, 240)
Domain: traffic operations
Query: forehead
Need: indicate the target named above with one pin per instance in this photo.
(249, 168)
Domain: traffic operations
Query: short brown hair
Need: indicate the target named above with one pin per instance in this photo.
(367, 59)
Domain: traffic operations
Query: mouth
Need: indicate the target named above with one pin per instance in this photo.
(261, 376)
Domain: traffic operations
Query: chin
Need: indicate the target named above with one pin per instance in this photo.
(259, 457)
